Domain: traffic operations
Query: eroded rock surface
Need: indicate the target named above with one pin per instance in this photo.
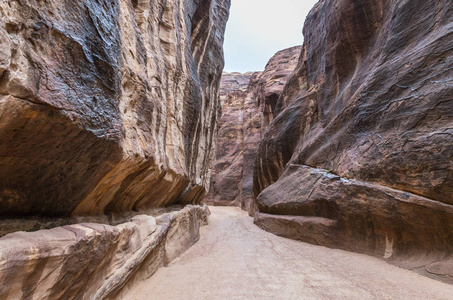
(227, 171)
(94, 261)
(370, 104)
(107, 106)
(248, 103)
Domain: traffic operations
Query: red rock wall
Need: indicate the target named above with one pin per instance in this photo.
(226, 188)
(107, 106)
(249, 102)
(359, 156)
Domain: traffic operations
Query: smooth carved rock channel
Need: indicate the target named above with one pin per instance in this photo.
(91, 260)
(236, 260)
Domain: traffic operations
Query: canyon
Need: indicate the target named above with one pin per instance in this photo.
(118, 126)
(364, 129)
(248, 101)
(354, 147)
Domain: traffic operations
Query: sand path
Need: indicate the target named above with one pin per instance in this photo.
(234, 259)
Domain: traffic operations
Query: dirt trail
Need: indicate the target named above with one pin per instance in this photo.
(236, 260)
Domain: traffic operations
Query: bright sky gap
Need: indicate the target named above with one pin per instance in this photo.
(257, 29)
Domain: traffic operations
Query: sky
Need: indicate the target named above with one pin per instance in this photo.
(257, 29)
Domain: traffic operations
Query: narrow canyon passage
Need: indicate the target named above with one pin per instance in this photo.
(234, 259)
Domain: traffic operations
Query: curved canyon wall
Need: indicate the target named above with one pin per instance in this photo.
(359, 155)
(249, 102)
(108, 113)
(107, 106)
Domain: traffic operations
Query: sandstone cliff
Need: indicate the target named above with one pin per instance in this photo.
(107, 106)
(248, 102)
(359, 155)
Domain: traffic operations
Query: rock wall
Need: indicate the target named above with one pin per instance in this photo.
(108, 112)
(227, 170)
(359, 155)
(248, 102)
(107, 106)
(94, 261)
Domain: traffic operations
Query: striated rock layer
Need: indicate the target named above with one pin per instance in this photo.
(248, 102)
(359, 156)
(107, 106)
(227, 170)
(94, 261)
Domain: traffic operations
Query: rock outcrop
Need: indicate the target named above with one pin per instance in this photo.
(248, 104)
(94, 261)
(107, 106)
(359, 154)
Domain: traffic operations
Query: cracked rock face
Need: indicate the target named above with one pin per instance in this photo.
(107, 106)
(370, 101)
(249, 102)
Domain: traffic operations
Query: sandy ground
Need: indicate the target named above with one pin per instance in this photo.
(234, 259)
